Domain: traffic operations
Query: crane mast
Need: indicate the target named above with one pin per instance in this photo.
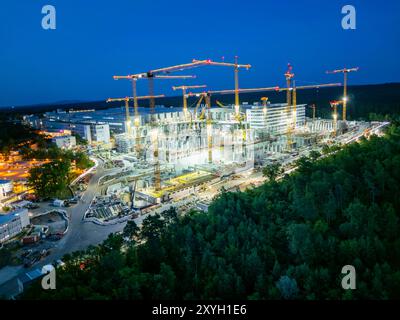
(184, 95)
(345, 72)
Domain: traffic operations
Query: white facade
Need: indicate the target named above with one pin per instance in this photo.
(6, 188)
(124, 143)
(100, 133)
(65, 142)
(274, 118)
(13, 223)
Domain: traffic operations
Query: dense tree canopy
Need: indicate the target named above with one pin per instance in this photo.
(283, 240)
(50, 179)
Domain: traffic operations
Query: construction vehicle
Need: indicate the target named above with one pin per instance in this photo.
(345, 72)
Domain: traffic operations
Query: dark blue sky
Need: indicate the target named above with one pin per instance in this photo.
(96, 39)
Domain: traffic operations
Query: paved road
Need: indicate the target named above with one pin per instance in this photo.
(82, 234)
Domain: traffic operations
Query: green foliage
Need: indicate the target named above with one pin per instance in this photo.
(283, 240)
(50, 179)
(52, 152)
(5, 257)
(13, 133)
(272, 171)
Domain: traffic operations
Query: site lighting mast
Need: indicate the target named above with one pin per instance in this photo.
(345, 72)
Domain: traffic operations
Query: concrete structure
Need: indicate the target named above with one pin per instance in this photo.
(6, 188)
(91, 132)
(100, 133)
(11, 224)
(33, 121)
(320, 125)
(124, 143)
(65, 142)
(274, 118)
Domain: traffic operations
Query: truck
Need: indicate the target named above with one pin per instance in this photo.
(58, 203)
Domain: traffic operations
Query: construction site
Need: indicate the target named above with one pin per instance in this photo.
(170, 156)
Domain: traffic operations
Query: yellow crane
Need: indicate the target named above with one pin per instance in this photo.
(184, 88)
(197, 106)
(314, 107)
(127, 113)
(264, 103)
(220, 104)
(345, 72)
(236, 67)
(334, 104)
(292, 118)
(207, 97)
(134, 78)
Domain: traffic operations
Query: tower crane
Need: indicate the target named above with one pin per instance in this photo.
(314, 107)
(345, 72)
(292, 89)
(158, 73)
(289, 75)
(334, 104)
(220, 104)
(198, 105)
(264, 103)
(292, 119)
(127, 99)
(236, 67)
(184, 88)
(134, 78)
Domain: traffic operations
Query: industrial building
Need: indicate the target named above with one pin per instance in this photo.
(274, 118)
(6, 188)
(65, 142)
(12, 223)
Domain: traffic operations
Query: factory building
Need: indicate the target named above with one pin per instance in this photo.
(6, 188)
(274, 118)
(99, 133)
(124, 144)
(91, 132)
(11, 224)
(320, 125)
(65, 142)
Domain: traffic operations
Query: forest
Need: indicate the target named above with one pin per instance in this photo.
(287, 239)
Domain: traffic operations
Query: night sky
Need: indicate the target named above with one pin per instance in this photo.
(97, 39)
